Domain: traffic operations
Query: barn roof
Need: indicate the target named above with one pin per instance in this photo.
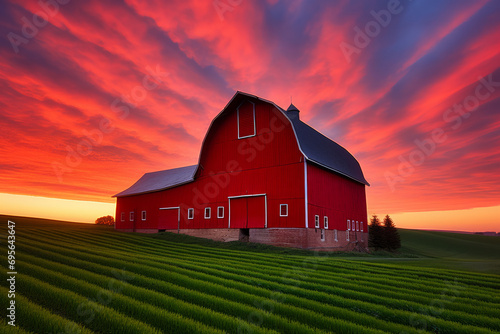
(161, 180)
(323, 151)
(316, 147)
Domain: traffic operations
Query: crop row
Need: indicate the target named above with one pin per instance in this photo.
(151, 244)
(77, 308)
(487, 310)
(397, 298)
(212, 251)
(393, 315)
(336, 264)
(37, 319)
(418, 287)
(240, 304)
(156, 309)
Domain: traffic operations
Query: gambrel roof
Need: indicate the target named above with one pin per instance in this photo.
(325, 152)
(315, 147)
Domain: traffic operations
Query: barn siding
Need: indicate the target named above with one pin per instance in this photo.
(335, 196)
(268, 163)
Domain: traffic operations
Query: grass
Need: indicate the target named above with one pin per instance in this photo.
(470, 252)
(78, 278)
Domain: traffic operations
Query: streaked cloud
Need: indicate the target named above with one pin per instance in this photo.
(155, 73)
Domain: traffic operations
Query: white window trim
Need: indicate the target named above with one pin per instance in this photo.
(218, 210)
(190, 213)
(286, 206)
(209, 210)
(131, 216)
(347, 235)
(122, 217)
(335, 234)
(143, 215)
(238, 120)
(322, 235)
(348, 225)
(357, 225)
(361, 226)
(325, 222)
(316, 221)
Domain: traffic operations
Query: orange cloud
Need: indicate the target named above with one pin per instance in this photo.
(159, 72)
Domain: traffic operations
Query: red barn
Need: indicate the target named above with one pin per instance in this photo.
(263, 176)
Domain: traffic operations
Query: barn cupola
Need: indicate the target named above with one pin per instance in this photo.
(292, 112)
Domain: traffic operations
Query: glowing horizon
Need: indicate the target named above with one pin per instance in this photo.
(102, 93)
(88, 211)
(54, 208)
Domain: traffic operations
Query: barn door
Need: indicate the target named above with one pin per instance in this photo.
(238, 212)
(247, 212)
(168, 219)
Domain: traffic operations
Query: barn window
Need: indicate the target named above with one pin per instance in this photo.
(335, 234)
(220, 212)
(190, 213)
(325, 221)
(361, 226)
(131, 216)
(316, 221)
(347, 235)
(246, 120)
(207, 213)
(322, 235)
(143, 215)
(122, 217)
(357, 225)
(348, 224)
(283, 210)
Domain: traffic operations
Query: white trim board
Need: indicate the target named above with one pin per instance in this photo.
(178, 215)
(305, 194)
(238, 120)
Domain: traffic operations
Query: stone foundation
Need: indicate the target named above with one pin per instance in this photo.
(139, 230)
(308, 238)
(305, 238)
(217, 234)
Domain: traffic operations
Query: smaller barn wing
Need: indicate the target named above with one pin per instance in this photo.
(161, 180)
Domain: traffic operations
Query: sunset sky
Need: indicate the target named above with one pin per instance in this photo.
(93, 94)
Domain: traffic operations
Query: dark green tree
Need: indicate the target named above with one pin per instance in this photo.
(392, 238)
(375, 234)
(105, 220)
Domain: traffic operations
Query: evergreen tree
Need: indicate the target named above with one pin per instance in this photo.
(392, 238)
(375, 234)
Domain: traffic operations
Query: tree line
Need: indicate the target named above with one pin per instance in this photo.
(383, 235)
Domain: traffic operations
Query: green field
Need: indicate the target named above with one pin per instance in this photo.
(78, 278)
